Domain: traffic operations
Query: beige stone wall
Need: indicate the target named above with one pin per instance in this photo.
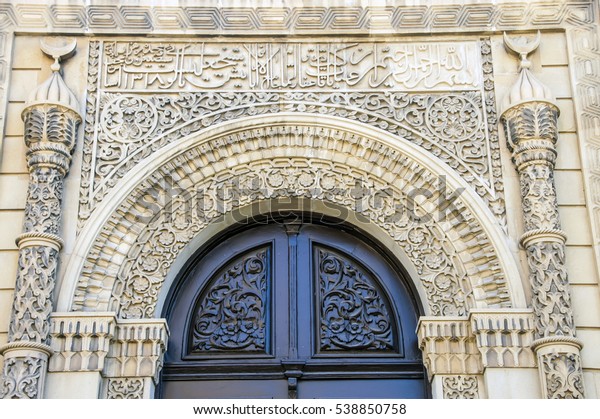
(571, 194)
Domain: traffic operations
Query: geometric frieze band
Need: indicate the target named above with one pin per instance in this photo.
(130, 17)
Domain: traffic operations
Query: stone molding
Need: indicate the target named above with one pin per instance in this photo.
(79, 341)
(504, 338)
(144, 17)
(281, 141)
(137, 349)
(448, 346)
(128, 354)
(485, 339)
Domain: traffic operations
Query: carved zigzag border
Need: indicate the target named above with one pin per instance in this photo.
(93, 17)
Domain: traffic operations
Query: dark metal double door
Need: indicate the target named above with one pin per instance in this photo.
(283, 311)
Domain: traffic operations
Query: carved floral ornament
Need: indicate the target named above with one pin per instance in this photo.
(144, 96)
(277, 163)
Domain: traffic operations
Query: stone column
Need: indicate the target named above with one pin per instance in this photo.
(530, 119)
(51, 119)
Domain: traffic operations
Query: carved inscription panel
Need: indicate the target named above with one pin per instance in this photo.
(271, 66)
(144, 95)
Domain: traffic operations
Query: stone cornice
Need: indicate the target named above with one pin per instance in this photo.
(293, 17)
(101, 342)
(487, 338)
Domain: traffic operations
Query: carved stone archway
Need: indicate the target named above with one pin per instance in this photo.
(322, 158)
(459, 256)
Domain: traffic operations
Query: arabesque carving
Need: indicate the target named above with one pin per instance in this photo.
(32, 304)
(232, 311)
(460, 387)
(21, 378)
(145, 103)
(135, 289)
(563, 375)
(353, 312)
(125, 388)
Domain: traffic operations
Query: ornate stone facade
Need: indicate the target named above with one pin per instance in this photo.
(351, 113)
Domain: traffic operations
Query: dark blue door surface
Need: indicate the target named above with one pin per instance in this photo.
(292, 311)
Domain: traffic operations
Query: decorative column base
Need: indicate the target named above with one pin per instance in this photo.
(560, 367)
(25, 366)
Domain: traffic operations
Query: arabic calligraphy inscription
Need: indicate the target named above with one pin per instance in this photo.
(269, 66)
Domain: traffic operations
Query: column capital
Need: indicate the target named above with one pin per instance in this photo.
(448, 346)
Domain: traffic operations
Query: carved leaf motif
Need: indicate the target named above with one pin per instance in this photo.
(460, 387)
(21, 378)
(354, 314)
(125, 388)
(563, 375)
(34, 125)
(233, 311)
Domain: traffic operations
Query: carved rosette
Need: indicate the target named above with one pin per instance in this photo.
(51, 120)
(530, 120)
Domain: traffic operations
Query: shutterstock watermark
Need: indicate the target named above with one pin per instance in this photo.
(253, 201)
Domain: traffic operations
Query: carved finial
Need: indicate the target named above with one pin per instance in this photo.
(523, 46)
(54, 90)
(58, 48)
(527, 88)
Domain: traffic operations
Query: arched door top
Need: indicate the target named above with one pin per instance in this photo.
(303, 301)
(125, 256)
